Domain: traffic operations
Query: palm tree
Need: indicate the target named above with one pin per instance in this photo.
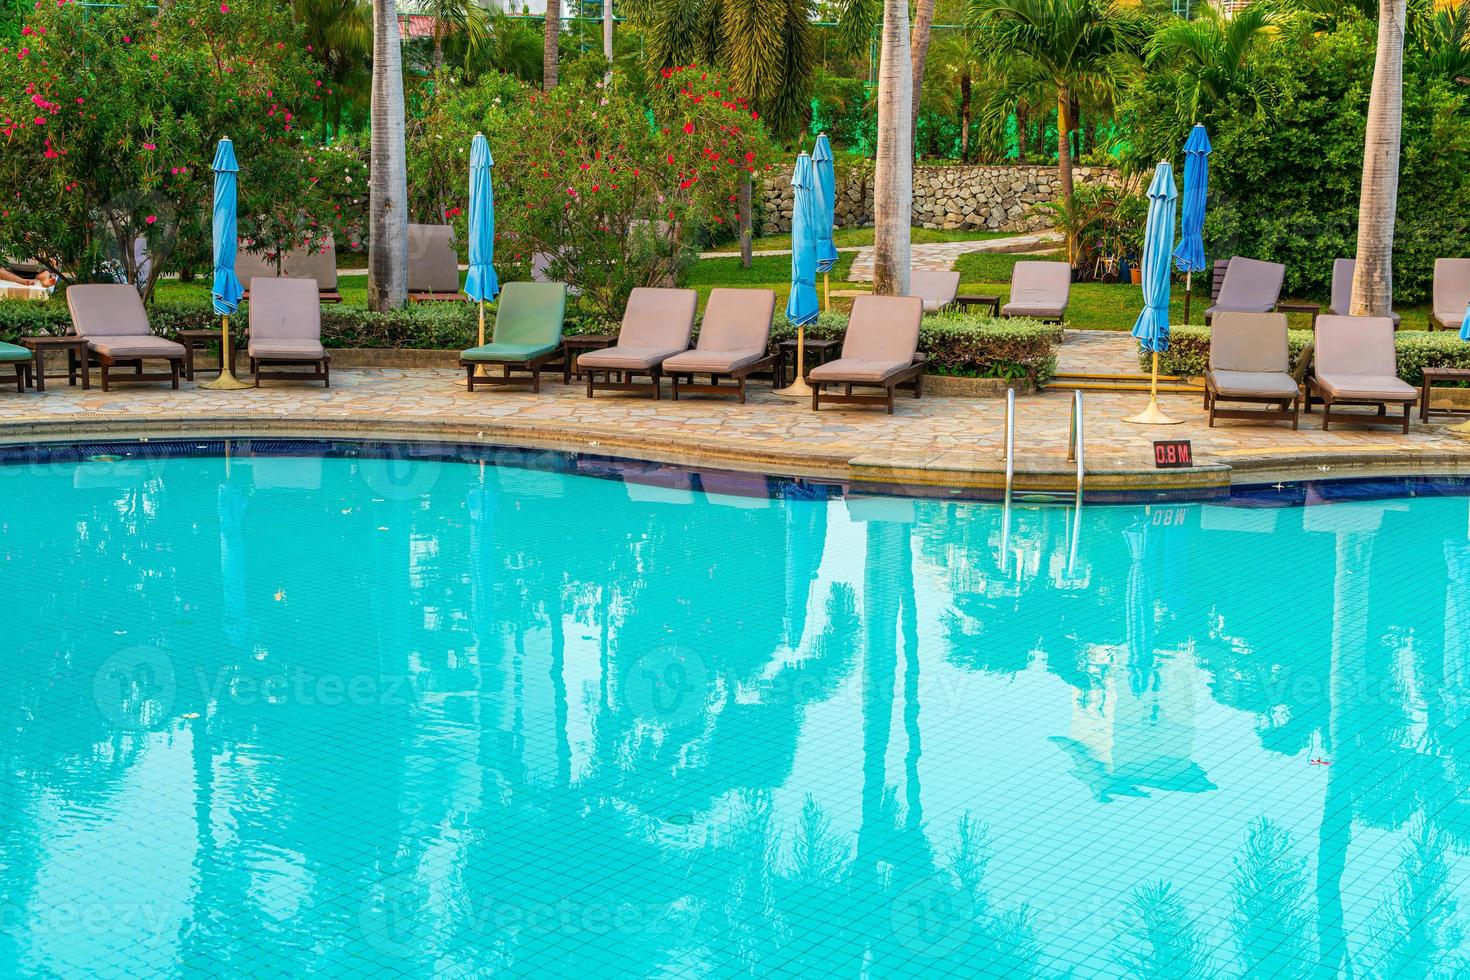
(1378, 199)
(550, 53)
(893, 177)
(856, 22)
(1208, 58)
(388, 183)
(607, 30)
(463, 17)
(1074, 47)
(339, 33)
(919, 43)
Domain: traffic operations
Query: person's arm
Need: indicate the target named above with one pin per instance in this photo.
(7, 276)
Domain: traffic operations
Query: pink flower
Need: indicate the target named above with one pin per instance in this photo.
(224, 8)
(150, 146)
(689, 128)
(151, 218)
(40, 120)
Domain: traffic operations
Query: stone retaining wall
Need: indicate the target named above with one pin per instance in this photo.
(979, 198)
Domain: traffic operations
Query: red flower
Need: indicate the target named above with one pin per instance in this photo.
(596, 188)
(689, 128)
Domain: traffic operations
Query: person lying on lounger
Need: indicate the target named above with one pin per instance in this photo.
(43, 278)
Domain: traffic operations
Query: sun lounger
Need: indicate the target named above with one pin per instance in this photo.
(112, 319)
(734, 340)
(433, 265)
(1451, 293)
(1342, 290)
(1356, 365)
(656, 326)
(527, 337)
(937, 289)
(879, 350)
(20, 359)
(286, 331)
(318, 263)
(1040, 290)
(1250, 362)
(1249, 286)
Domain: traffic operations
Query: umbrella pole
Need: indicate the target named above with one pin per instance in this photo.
(480, 371)
(1153, 415)
(1188, 292)
(826, 297)
(226, 380)
(799, 388)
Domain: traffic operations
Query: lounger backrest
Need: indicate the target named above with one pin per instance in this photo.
(937, 288)
(1044, 284)
(317, 261)
(658, 318)
(530, 313)
(1361, 345)
(253, 265)
(1451, 287)
(1253, 342)
(107, 310)
(737, 320)
(285, 309)
(433, 265)
(1251, 285)
(1342, 285)
(883, 328)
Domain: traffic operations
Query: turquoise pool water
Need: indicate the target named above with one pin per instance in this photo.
(363, 716)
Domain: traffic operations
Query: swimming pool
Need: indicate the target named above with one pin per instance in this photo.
(387, 712)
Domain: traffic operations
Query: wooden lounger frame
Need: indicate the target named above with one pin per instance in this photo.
(105, 363)
(1282, 414)
(626, 382)
(739, 376)
(914, 373)
(320, 369)
(438, 298)
(22, 375)
(1328, 401)
(534, 366)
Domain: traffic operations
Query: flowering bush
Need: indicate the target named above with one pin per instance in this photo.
(614, 190)
(109, 123)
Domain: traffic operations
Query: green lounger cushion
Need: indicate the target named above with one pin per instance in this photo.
(527, 314)
(510, 353)
(10, 353)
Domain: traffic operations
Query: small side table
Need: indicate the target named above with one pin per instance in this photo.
(76, 359)
(573, 346)
(195, 339)
(1431, 375)
(817, 352)
(979, 299)
(1312, 308)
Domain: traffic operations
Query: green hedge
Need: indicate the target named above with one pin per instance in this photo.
(965, 344)
(1189, 351)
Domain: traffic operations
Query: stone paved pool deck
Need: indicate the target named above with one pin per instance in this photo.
(934, 442)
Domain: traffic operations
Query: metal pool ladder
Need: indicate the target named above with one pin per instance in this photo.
(1076, 449)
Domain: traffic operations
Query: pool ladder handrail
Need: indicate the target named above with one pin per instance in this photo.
(1076, 447)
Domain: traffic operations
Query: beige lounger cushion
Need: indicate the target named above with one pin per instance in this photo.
(735, 332)
(1254, 384)
(1355, 359)
(1249, 286)
(285, 319)
(1451, 291)
(1040, 289)
(107, 310)
(433, 265)
(936, 289)
(1249, 356)
(881, 340)
(318, 262)
(1342, 288)
(656, 325)
(135, 346)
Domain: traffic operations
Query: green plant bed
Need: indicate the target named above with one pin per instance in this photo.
(1189, 351)
(861, 237)
(965, 345)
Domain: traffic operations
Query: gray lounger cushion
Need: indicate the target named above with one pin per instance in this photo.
(112, 318)
(1250, 286)
(285, 319)
(936, 289)
(881, 340)
(1355, 359)
(1040, 289)
(433, 265)
(656, 325)
(735, 332)
(1249, 356)
(1342, 288)
(1451, 291)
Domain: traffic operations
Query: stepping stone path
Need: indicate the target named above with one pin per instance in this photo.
(941, 256)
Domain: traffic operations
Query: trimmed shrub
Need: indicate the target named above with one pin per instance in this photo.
(1189, 352)
(965, 344)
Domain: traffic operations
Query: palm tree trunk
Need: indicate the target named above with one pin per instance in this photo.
(550, 55)
(1064, 162)
(919, 46)
(607, 30)
(388, 183)
(965, 117)
(893, 175)
(1378, 199)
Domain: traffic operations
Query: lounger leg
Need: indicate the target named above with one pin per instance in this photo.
(326, 374)
(1326, 415)
(742, 391)
(469, 377)
(1406, 418)
(1210, 407)
(20, 378)
(816, 395)
(174, 371)
(891, 389)
(658, 388)
(674, 379)
(255, 370)
(104, 377)
(919, 385)
(587, 373)
(1296, 413)
(536, 380)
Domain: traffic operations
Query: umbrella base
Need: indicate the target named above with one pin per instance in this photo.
(1463, 429)
(797, 389)
(225, 382)
(1153, 415)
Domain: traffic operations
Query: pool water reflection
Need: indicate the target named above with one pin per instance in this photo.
(345, 715)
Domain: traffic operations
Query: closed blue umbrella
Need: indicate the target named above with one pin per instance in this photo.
(226, 289)
(1189, 257)
(826, 175)
(1465, 326)
(1152, 327)
(801, 308)
(480, 282)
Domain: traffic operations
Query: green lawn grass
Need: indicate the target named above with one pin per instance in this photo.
(857, 237)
